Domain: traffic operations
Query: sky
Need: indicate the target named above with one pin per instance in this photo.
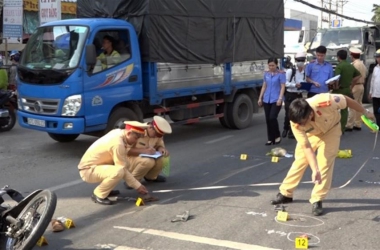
(359, 9)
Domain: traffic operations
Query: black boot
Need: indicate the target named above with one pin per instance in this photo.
(317, 208)
(101, 201)
(159, 178)
(280, 199)
(285, 133)
(114, 193)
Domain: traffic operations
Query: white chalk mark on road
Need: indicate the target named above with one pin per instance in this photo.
(196, 239)
(219, 139)
(66, 185)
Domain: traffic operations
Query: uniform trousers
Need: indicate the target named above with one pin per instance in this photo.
(328, 146)
(354, 116)
(110, 175)
(289, 97)
(271, 114)
(376, 109)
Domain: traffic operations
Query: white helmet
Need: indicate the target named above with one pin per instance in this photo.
(300, 56)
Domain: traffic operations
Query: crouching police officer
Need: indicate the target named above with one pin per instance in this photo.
(105, 162)
(152, 141)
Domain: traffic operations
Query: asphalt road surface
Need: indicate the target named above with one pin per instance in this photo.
(203, 155)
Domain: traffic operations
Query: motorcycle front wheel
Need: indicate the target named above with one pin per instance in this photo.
(34, 223)
(10, 121)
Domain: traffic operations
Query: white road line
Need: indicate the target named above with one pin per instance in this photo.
(219, 139)
(196, 239)
(114, 247)
(66, 185)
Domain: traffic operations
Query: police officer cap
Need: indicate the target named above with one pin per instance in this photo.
(300, 54)
(355, 51)
(377, 53)
(135, 126)
(161, 125)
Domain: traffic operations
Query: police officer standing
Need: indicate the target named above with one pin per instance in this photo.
(294, 77)
(349, 75)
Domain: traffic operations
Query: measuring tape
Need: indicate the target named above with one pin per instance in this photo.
(371, 125)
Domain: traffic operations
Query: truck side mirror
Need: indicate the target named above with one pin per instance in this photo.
(300, 38)
(371, 39)
(90, 55)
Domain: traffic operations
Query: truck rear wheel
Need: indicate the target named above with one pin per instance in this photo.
(240, 112)
(119, 116)
(63, 137)
(224, 120)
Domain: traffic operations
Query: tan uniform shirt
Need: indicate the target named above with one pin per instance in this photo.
(146, 141)
(326, 108)
(359, 65)
(110, 149)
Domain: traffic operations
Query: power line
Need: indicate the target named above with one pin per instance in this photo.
(333, 12)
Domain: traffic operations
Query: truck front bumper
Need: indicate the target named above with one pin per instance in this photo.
(51, 124)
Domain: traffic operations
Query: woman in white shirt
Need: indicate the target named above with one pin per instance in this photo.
(374, 92)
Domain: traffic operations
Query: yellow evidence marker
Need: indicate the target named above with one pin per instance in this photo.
(302, 243)
(42, 241)
(69, 223)
(243, 157)
(140, 202)
(274, 159)
(282, 216)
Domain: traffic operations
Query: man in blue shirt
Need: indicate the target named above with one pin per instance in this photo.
(318, 72)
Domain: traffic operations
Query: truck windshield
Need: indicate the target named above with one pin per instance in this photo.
(337, 38)
(54, 48)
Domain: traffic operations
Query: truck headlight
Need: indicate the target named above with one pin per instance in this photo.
(72, 105)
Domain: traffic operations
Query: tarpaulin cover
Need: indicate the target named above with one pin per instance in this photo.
(198, 31)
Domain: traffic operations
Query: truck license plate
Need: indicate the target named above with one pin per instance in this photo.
(36, 122)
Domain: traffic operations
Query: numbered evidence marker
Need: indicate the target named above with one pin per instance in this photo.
(69, 223)
(302, 243)
(243, 157)
(42, 241)
(282, 216)
(274, 159)
(140, 202)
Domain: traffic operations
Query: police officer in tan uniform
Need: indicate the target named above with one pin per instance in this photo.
(357, 88)
(145, 167)
(105, 162)
(316, 126)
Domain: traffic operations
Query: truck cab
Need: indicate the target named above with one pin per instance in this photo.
(364, 38)
(58, 69)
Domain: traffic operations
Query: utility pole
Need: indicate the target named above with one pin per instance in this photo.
(330, 14)
(322, 14)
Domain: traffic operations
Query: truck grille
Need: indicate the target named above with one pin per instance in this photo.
(40, 106)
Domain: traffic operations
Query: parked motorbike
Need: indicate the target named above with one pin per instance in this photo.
(22, 225)
(8, 107)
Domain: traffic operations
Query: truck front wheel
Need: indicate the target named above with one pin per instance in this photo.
(240, 112)
(63, 137)
(119, 116)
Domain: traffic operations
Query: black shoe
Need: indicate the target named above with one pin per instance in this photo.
(101, 201)
(291, 136)
(126, 186)
(114, 193)
(357, 128)
(348, 130)
(280, 199)
(269, 143)
(285, 133)
(278, 140)
(317, 208)
(159, 178)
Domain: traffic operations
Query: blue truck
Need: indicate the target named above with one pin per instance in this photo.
(65, 88)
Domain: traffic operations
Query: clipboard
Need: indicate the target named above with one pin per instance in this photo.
(305, 86)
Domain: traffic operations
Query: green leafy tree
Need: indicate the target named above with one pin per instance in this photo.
(376, 13)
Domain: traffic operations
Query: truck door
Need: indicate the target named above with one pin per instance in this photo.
(113, 79)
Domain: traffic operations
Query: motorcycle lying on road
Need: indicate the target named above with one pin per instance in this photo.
(22, 225)
(8, 107)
